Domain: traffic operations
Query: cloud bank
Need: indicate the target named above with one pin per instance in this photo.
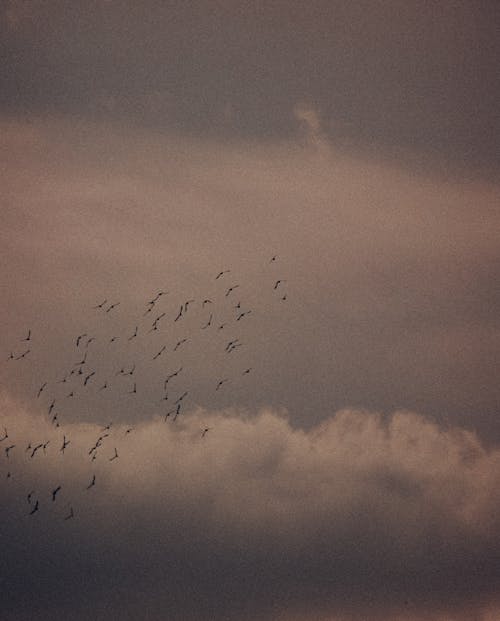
(363, 516)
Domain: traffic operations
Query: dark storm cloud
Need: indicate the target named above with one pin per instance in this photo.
(357, 518)
(416, 75)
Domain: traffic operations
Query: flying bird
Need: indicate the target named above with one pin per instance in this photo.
(23, 355)
(205, 431)
(221, 383)
(5, 435)
(28, 338)
(88, 377)
(8, 449)
(231, 289)
(135, 333)
(40, 390)
(64, 444)
(79, 338)
(70, 514)
(160, 352)
(222, 274)
(278, 283)
(179, 314)
(179, 343)
(55, 491)
(115, 456)
(209, 322)
(35, 508)
(110, 308)
(101, 304)
(92, 483)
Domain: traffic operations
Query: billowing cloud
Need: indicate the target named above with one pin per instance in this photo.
(362, 516)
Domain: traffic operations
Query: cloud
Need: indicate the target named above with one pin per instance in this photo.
(362, 516)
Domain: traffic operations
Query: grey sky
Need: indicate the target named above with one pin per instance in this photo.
(352, 473)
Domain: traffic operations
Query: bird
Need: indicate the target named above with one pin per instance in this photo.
(209, 322)
(231, 289)
(179, 314)
(23, 355)
(55, 491)
(185, 394)
(105, 385)
(70, 514)
(241, 315)
(5, 435)
(207, 301)
(160, 352)
(222, 274)
(51, 406)
(8, 449)
(179, 343)
(134, 390)
(110, 308)
(247, 371)
(30, 496)
(88, 377)
(205, 431)
(101, 304)
(89, 340)
(134, 334)
(158, 295)
(35, 508)
(79, 338)
(115, 456)
(273, 259)
(35, 449)
(40, 390)
(64, 444)
(81, 362)
(132, 369)
(92, 483)
(113, 339)
(28, 338)
(220, 383)
(277, 283)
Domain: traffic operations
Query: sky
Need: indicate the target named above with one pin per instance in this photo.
(324, 445)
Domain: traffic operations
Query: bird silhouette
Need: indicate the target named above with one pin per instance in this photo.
(28, 338)
(40, 390)
(35, 508)
(55, 492)
(64, 444)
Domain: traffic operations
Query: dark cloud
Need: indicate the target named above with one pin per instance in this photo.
(418, 76)
(356, 517)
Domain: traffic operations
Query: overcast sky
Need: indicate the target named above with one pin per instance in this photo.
(348, 466)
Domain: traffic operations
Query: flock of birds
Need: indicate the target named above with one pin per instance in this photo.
(221, 313)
